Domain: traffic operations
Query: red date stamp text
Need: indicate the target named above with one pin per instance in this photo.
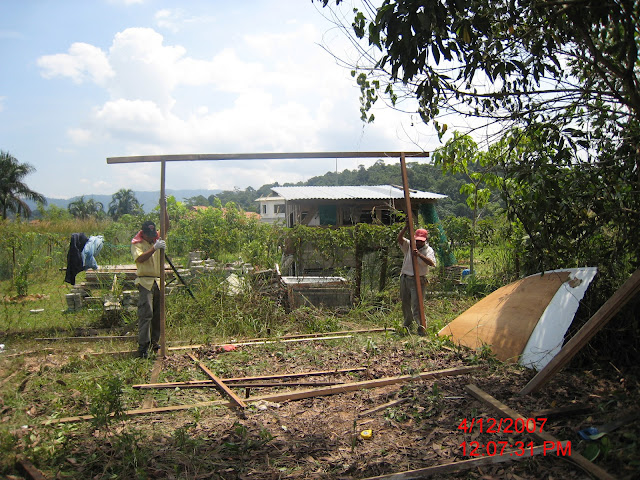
(502, 425)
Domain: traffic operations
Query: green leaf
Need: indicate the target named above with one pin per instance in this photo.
(591, 452)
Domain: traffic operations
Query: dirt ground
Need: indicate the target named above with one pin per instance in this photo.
(321, 437)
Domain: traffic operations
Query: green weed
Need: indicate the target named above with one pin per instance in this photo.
(106, 402)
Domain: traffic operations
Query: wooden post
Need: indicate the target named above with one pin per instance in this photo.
(163, 235)
(416, 277)
(384, 264)
(507, 412)
(358, 271)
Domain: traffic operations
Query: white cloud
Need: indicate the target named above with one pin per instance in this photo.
(130, 117)
(176, 19)
(170, 19)
(79, 136)
(266, 92)
(83, 62)
(145, 68)
(265, 104)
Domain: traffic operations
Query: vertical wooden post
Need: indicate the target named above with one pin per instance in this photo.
(407, 200)
(358, 272)
(384, 263)
(163, 235)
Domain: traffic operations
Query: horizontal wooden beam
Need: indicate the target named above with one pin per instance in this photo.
(197, 157)
(234, 380)
(294, 395)
(242, 344)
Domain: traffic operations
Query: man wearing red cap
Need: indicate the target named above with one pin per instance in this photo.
(408, 291)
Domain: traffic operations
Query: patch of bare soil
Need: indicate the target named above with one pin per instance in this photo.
(345, 436)
(322, 437)
(26, 298)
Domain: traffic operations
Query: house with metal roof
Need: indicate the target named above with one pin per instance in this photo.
(339, 205)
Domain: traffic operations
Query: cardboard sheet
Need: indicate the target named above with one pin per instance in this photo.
(506, 318)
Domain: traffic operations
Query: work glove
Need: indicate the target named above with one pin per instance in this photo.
(160, 244)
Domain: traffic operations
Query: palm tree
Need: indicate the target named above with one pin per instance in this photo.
(84, 209)
(124, 202)
(13, 191)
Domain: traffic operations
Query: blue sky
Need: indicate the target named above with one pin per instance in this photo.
(86, 80)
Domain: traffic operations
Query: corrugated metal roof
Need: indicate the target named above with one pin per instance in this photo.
(375, 192)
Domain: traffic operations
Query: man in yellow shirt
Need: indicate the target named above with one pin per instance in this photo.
(145, 248)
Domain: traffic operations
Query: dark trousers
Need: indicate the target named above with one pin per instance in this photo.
(409, 297)
(148, 317)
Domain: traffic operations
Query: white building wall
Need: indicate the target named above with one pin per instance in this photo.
(268, 207)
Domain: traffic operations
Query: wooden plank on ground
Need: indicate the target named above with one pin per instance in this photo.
(320, 383)
(505, 411)
(325, 334)
(234, 398)
(28, 469)
(155, 373)
(379, 408)
(29, 352)
(6, 379)
(299, 394)
(380, 382)
(248, 379)
(562, 411)
(507, 456)
(243, 344)
(611, 307)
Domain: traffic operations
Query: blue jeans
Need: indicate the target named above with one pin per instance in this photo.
(409, 297)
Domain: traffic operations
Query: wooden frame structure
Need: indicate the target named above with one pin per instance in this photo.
(163, 159)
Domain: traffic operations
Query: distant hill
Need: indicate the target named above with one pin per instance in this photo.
(148, 200)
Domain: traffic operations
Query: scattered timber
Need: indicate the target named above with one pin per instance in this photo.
(288, 396)
(230, 393)
(505, 411)
(506, 456)
(248, 379)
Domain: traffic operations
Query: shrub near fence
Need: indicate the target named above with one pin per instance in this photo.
(29, 248)
(23, 251)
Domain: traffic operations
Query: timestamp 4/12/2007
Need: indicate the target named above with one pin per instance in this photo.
(518, 449)
(502, 425)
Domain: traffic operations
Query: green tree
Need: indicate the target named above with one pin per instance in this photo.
(459, 155)
(53, 212)
(124, 202)
(572, 213)
(84, 209)
(565, 72)
(13, 191)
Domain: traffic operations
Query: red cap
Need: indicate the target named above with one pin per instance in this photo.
(421, 234)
